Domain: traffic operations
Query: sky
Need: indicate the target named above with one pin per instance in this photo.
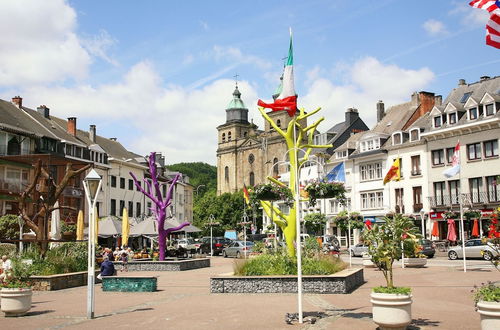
(158, 75)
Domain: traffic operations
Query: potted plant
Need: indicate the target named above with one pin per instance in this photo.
(315, 223)
(472, 214)
(273, 192)
(413, 256)
(451, 215)
(16, 290)
(318, 189)
(68, 230)
(391, 304)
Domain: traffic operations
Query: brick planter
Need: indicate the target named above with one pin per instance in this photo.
(59, 281)
(342, 282)
(165, 266)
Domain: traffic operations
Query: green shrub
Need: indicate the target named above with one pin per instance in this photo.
(259, 247)
(487, 292)
(311, 247)
(7, 249)
(393, 290)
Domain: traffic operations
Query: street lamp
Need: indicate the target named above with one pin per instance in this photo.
(422, 215)
(198, 187)
(244, 223)
(21, 223)
(92, 185)
(211, 223)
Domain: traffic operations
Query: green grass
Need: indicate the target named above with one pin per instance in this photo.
(395, 290)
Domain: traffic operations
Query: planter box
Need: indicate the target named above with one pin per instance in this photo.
(391, 311)
(60, 281)
(342, 282)
(490, 314)
(15, 302)
(169, 265)
(415, 262)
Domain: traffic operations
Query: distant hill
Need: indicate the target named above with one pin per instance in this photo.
(199, 174)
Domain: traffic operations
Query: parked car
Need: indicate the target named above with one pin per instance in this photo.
(237, 249)
(428, 248)
(358, 250)
(473, 248)
(189, 244)
(218, 243)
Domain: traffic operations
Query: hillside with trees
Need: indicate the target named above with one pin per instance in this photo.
(201, 175)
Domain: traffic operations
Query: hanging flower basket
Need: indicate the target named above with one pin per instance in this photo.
(320, 190)
(472, 214)
(451, 215)
(273, 192)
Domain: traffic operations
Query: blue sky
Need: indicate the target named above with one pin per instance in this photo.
(158, 74)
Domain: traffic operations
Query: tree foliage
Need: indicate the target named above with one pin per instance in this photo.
(9, 227)
(200, 174)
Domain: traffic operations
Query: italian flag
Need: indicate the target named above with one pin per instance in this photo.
(287, 100)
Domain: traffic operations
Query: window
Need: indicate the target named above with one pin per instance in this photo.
(449, 155)
(113, 181)
(113, 207)
(149, 211)
(465, 97)
(437, 121)
(492, 188)
(138, 185)
(130, 184)
(13, 146)
(223, 137)
(371, 171)
(417, 198)
(415, 165)
(130, 209)
(397, 139)
(414, 135)
(400, 208)
(490, 110)
(439, 192)
(474, 151)
(251, 158)
(137, 209)
(226, 173)
(490, 148)
(252, 179)
(275, 167)
(122, 183)
(278, 123)
(452, 118)
(476, 185)
(372, 200)
(341, 154)
(122, 206)
(454, 186)
(472, 113)
(370, 145)
(228, 136)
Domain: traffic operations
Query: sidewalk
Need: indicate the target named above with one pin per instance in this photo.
(442, 299)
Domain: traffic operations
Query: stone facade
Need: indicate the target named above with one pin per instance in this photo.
(342, 282)
(60, 281)
(165, 266)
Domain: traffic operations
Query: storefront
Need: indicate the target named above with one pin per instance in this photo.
(442, 223)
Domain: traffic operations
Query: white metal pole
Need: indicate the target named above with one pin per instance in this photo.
(349, 242)
(422, 220)
(211, 241)
(462, 225)
(245, 240)
(297, 223)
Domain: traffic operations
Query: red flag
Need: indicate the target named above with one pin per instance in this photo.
(493, 25)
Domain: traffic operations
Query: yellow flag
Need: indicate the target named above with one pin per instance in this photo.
(394, 173)
(125, 227)
(96, 225)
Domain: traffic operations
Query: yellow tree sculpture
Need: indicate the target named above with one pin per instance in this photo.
(297, 138)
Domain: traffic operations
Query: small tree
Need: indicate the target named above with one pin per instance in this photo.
(9, 227)
(385, 242)
(161, 203)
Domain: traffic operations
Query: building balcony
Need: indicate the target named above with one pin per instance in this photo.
(478, 197)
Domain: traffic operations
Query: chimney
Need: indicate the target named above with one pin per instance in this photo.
(380, 110)
(18, 101)
(438, 100)
(72, 126)
(461, 82)
(351, 115)
(483, 78)
(44, 111)
(92, 133)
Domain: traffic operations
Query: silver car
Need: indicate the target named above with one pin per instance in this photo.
(358, 250)
(473, 248)
(237, 249)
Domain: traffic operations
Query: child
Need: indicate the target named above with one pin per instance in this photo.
(124, 259)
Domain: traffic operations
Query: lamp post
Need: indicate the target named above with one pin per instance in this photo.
(422, 215)
(92, 185)
(244, 223)
(21, 223)
(198, 187)
(211, 223)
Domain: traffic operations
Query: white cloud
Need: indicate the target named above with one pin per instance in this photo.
(434, 27)
(235, 54)
(99, 45)
(204, 25)
(367, 81)
(39, 44)
(470, 16)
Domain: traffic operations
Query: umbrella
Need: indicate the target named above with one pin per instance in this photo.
(368, 224)
(79, 226)
(55, 223)
(173, 222)
(146, 227)
(452, 235)
(475, 228)
(435, 229)
(125, 227)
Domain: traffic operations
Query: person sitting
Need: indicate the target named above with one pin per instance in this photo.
(116, 254)
(107, 268)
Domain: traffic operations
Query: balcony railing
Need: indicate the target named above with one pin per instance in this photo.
(12, 186)
(478, 197)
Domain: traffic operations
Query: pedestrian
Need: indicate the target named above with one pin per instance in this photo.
(107, 268)
(124, 260)
(116, 254)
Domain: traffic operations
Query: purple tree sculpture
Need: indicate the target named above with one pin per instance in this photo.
(161, 203)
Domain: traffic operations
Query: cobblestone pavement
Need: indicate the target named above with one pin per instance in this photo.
(441, 299)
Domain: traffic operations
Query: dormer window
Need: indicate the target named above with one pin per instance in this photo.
(397, 138)
(472, 113)
(370, 145)
(415, 134)
(341, 154)
(489, 109)
(452, 118)
(437, 121)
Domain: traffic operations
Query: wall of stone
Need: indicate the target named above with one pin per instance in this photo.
(342, 282)
(165, 266)
(60, 281)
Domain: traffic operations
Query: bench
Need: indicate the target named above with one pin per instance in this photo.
(129, 283)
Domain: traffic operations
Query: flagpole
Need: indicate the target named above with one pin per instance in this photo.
(462, 218)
